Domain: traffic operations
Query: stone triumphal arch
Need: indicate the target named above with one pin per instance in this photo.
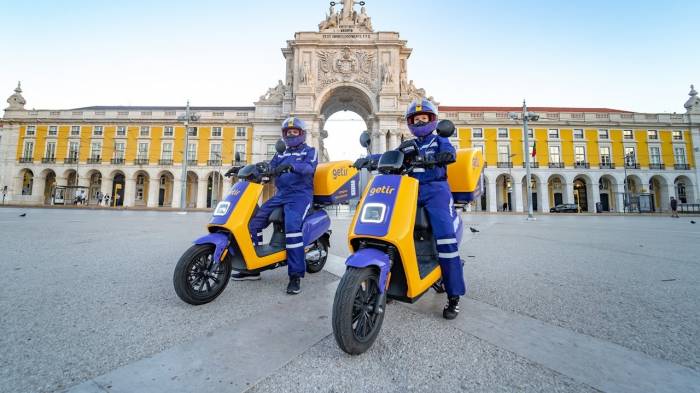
(346, 65)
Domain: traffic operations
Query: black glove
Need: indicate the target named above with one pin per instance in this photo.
(361, 163)
(408, 148)
(232, 172)
(284, 168)
(445, 157)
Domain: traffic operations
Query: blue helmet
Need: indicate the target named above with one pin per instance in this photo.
(293, 123)
(422, 106)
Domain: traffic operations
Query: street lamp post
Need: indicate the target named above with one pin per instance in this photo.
(188, 116)
(525, 117)
(626, 197)
(511, 180)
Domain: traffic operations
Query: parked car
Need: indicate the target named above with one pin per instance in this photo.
(564, 208)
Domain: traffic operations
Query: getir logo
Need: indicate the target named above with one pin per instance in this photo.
(235, 192)
(339, 172)
(381, 190)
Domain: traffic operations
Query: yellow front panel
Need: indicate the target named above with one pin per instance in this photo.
(238, 225)
(400, 234)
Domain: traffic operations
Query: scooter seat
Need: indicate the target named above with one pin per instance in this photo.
(277, 216)
(422, 221)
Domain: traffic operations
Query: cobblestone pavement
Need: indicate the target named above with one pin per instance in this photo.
(89, 293)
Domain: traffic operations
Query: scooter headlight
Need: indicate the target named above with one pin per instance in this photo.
(373, 213)
(222, 208)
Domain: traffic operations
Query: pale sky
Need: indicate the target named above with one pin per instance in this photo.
(633, 55)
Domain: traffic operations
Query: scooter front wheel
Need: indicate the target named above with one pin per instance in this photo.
(197, 279)
(358, 310)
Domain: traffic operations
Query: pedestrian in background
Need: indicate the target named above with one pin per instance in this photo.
(674, 207)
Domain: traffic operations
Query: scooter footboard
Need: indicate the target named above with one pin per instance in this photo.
(367, 257)
(218, 239)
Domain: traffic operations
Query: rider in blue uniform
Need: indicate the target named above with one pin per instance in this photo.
(295, 170)
(435, 196)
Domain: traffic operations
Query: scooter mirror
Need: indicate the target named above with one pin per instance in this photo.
(445, 128)
(238, 157)
(365, 139)
(280, 146)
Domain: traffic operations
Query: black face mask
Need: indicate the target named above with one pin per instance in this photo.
(419, 123)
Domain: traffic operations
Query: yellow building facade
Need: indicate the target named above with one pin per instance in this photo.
(597, 159)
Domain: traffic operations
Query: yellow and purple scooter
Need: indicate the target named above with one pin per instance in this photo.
(203, 271)
(394, 253)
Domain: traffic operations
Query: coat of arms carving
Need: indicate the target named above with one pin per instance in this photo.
(346, 65)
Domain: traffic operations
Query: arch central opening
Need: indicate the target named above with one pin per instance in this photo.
(345, 112)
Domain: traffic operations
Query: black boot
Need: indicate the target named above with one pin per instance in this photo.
(242, 276)
(294, 286)
(452, 308)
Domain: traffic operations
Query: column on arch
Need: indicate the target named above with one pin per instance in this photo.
(202, 192)
(491, 195)
(153, 191)
(129, 191)
(517, 196)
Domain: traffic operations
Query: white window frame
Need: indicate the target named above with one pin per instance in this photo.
(211, 151)
(221, 132)
(625, 153)
(139, 155)
(33, 131)
(507, 154)
(73, 128)
(120, 154)
(92, 149)
(77, 150)
(148, 133)
(48, 131)
(116, 131)
(46, 149)
(243, 152)
(101, 131)
(193, 131)
(658, 148)
(240, 134)
(171, 134)
(31, 149)
(584, 154)
(673, 135)
(624, 138)
(609, 155)
(583, 134)
(162, 150)
(498, 133)
(549, 153)
(553, 138)
(684, 160)
(187, 154)
(478, 136)
(607, 134)
(656, 133)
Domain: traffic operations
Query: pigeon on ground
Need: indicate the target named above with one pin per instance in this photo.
(473, 230)
(24, 214)
(692, 222)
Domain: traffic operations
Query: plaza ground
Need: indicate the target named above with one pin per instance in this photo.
(565, 303)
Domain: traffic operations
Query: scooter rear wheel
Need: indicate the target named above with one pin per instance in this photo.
(317, 266)
(356, 319)
(197, 279)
